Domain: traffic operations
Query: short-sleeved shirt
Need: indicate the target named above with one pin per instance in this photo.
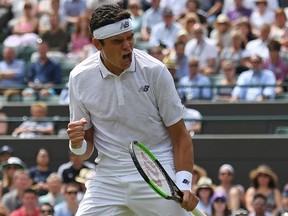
(137, 105)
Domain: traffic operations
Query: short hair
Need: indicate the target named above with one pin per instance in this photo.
(274, 45)
(261, 196)
(107, 14)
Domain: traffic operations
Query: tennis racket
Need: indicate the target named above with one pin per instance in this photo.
(155, 175)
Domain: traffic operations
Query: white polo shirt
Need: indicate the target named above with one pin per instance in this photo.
(137, 105)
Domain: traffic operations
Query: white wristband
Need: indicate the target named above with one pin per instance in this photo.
(184, 180)
(79, 151)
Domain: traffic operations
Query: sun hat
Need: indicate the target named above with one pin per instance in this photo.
(263, 169)
(201, 171)
(15, 161)
(205, 182)
(84, 175)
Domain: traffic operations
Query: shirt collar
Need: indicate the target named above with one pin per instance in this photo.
(105, 72)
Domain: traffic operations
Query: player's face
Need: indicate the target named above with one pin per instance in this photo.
(116, 53)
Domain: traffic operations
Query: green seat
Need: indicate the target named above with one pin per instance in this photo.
(281, 130)
(282, 96)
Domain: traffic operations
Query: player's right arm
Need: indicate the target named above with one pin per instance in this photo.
(77, 135)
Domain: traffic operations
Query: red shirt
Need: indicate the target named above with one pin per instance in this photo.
(22, 212)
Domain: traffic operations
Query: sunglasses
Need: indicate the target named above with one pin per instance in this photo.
(220, 200)
(226, 174)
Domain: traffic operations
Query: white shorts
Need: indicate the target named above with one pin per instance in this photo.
(125, 196)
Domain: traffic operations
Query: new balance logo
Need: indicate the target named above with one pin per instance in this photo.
(124, 24)
(144, 88)
(185, 181)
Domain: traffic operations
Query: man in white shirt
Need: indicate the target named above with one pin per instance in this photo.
(118, 95)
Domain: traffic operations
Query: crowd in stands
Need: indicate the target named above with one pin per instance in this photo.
(40, 190)
(43, 40)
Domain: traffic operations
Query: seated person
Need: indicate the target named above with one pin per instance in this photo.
(195, 86)
(11, 73)
(36, 125)
(263, 80)
(42, 75)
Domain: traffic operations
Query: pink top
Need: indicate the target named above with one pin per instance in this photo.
(78, 42)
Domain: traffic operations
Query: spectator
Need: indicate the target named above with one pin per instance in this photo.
(165, 32)
(226, 84)
(68, 171)
(212, 8)
(244, 27)
(42, 75)
(40, 171)
(172, 67)
(70, 205)
(157, 52)
(198, 172)
(29, 204)
(276, 64)
(151, 17)
(84, 175)
(188, 21)
(192, 6)
(134, 7)
(46, 209)
(178, 6)
(261, 15)
(279, 27)
(24, 31)
(205, 191)
(220, 205)
(257, 75)
(181, 60)
(239, 11)
(235, 52)
(3, 125)
(284, 194)
(3, 211)
(80, 38)
(54, 187)
(259, 46)
(264, 181)
(221, 34)
(13, 199)
(6, 151)
(193, 121)
(56, 36)
(234, 193)
(37, 125)
(195, 86)
(8, 169)
(12, 72)
(204, 49)
(259, 206)
(46, 12)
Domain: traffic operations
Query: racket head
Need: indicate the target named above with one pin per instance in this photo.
(153, 173)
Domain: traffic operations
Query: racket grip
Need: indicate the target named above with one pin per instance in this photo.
(198, 212)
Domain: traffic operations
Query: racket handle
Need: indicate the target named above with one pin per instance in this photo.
(198, 212)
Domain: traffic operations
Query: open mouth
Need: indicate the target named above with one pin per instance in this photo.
(127, 58)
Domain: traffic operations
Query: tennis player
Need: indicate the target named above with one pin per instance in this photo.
(118, 95)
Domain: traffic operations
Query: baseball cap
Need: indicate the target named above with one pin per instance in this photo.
(219, 195)
(14, 161)
(6, 148)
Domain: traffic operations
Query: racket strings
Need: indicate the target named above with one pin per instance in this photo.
(152, 170)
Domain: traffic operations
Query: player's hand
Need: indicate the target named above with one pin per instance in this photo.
(76, 132)
(190, 200)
